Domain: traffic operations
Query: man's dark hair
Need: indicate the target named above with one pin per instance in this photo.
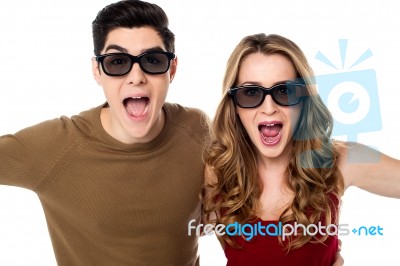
(131, 14)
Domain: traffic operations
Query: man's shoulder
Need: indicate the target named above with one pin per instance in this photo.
(183, 114)
(190, 119)
(180, 109)
(89, 114)
(60, 127)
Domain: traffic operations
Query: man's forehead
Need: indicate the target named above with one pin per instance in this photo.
(134, 40)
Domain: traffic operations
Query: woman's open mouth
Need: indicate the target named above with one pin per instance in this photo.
(270, 133)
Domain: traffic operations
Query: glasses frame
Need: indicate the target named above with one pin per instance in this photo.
(135, 59)
(267, 91)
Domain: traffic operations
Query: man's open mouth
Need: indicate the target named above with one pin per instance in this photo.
(137, 106)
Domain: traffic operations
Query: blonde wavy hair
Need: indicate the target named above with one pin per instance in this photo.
(312, 175)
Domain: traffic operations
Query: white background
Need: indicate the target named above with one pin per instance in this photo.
(45, 72)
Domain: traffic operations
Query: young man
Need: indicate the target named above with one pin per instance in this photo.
(120, 182)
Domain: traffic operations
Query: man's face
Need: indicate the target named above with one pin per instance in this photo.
(135, 99)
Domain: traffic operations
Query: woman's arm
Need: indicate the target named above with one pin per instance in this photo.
(339, 259)
(370, 170)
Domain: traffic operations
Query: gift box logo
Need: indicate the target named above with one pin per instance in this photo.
(351, 96)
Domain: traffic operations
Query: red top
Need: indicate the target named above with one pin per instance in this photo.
(266, 250)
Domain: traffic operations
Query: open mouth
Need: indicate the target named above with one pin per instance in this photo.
(137, 106)
(270, 132)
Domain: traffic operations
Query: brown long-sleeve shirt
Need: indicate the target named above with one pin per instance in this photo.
(110, 203)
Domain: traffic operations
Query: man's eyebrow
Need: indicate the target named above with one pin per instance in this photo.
(156, 48)
(124, 50)
(116, 47)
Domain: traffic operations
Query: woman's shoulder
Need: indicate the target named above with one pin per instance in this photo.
(354, 158)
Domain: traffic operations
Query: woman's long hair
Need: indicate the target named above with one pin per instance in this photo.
(312, 174)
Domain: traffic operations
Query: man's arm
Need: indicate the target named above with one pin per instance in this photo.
(28, 157)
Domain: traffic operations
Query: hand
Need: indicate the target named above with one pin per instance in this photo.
(339, 259)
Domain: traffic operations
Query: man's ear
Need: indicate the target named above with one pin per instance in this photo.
(96, 71)
(172, 69)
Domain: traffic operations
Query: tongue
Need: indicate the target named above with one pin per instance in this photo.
(136, 107)
(270, 131)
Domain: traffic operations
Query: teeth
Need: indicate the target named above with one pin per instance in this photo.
(146, 109)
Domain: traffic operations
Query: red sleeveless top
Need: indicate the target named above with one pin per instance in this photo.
(266, 250)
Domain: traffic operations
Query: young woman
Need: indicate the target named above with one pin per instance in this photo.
(272, 165)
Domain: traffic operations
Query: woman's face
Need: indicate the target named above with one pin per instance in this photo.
(270, 126)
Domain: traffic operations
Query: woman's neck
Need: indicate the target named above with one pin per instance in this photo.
(275, 195)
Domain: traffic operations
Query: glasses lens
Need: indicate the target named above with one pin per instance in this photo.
(249, 96)
(154, 63)
(287, 94)
(118, 64)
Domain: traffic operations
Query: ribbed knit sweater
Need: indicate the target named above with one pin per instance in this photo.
(110, 203)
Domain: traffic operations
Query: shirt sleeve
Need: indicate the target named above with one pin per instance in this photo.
(28, 157)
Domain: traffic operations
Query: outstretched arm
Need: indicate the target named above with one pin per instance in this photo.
(370, 170)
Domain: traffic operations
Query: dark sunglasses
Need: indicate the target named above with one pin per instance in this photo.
(285, 94)
(119, 64)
